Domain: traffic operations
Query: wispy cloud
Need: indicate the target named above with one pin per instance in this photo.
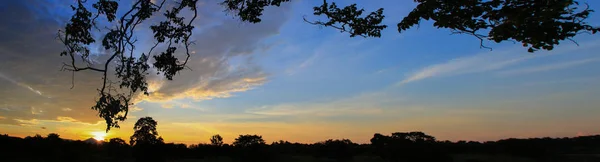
(307, 62)
(497, 60)
(167, 106)
(65, 119)
(3, 76)
(550, 67)
(466, 65)
(375, 103)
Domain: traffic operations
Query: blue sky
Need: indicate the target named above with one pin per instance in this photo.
(300, 82)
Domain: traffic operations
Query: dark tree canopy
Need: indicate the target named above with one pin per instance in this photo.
(53, 136)
(535, 24)
(216, 140)
(117, 142)
(410, 146)
(145, 132)
(546, 149)
(248, 141)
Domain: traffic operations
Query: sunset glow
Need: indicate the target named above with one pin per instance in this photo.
(286, 79)
(99, 135)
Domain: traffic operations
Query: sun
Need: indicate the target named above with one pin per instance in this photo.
(99, 136)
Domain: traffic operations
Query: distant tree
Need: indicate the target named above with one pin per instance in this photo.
(147, 145)
(53, 137)
(535, 24)
(413, 137)
(118, 149)
(248, 141)
(251, 148)
(145, 132)
(35, 137)
(281, 142)
(117, 142)
(341, 150)
(408, 146)
(216, 140)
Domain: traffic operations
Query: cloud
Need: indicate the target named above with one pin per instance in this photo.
(167, 106)
(185, 106)
(65, 119)
(135, 109)
(550, 67)
(368, 104)
(33, 87)
(36, 111)
(213, 74)
(493, 61)
(465, 65)
(27, 122)
(309, 61)
(3, 76)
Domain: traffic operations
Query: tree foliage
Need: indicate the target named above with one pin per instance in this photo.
(533, 23)
(216, 140)
(536, 24)
(145, 132)
(248, 141)
(119, 40)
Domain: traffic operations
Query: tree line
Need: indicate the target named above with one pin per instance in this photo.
(146, 145)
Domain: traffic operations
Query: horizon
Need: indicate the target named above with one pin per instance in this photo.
(105, 140)
(285, 79)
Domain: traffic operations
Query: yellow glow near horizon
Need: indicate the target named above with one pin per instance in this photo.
(99, 135)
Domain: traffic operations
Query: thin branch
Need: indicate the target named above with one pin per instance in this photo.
(319, 23)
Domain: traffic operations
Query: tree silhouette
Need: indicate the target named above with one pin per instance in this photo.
(248, 141)
(341, 150)
(216, 140)
(147, 145)
(408, 146)
(537, 25)
(145, 132)
(119, 39)
(251, 148)
(118, 149)
(574, 149)
(117, 142)
(53, 137)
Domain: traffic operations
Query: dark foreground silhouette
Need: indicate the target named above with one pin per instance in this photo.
(397, 147)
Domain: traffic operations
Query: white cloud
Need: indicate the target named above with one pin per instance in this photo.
(3, 76)
(493, 61)
(550, 67)
(471, 64)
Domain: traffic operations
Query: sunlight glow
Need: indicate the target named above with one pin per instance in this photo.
(99, 135)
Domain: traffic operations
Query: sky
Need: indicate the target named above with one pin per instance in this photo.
(285, 79)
